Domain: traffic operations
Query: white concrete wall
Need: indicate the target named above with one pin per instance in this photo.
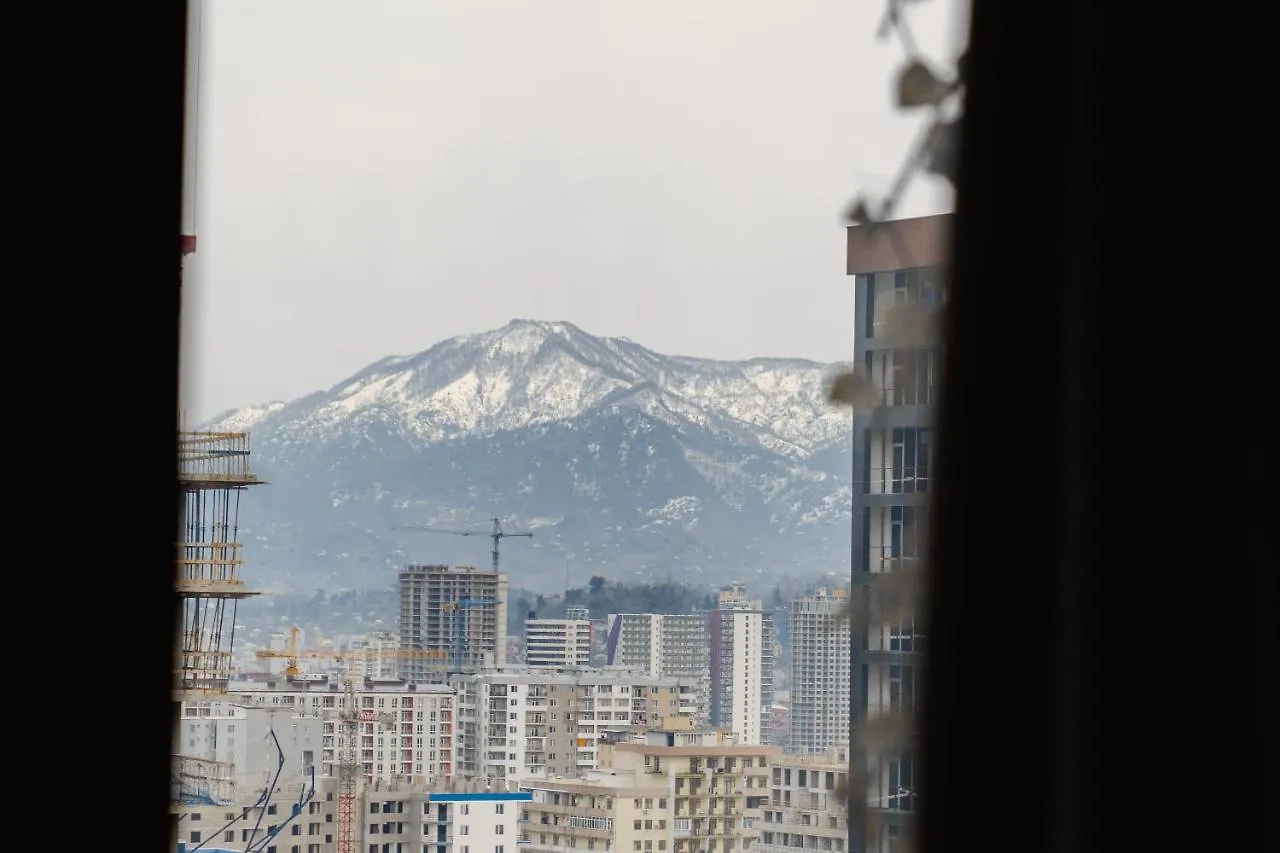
(482, 823)
(748, 633)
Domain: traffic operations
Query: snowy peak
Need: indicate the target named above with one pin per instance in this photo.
(536, 372)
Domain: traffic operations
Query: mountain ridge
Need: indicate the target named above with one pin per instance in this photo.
(619, 458)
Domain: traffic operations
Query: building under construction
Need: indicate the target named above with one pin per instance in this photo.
(455, 611)
(213, 471)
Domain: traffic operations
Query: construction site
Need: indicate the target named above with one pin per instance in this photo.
(349, 717)
(213, 473)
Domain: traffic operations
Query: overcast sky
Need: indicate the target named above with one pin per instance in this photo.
(377, 175)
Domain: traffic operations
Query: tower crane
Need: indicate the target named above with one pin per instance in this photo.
(291, 653)
(349, 770)
(497, 535)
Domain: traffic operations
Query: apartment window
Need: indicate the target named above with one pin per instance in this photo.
(910, 462)
(902, 687)
(902, 638)
(271, 809)
(498, 808)
(229, 835)
(195, 836)
(901, 795)
(498, 829)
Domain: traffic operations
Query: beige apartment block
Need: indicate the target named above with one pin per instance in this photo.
(805, 810)
(606, 811)
(716, 787)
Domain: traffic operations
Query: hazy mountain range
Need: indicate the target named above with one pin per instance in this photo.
(623, 462)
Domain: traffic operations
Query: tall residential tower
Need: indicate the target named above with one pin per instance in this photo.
(820, 640)
(898, 291)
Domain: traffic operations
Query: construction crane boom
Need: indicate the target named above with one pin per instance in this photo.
(497, 535)
(291, 653)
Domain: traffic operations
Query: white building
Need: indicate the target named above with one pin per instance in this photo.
(250, 741)
(269, 825)
(560, 643)
(391, 817)
(410, 732)
(737, 671)
(524, 721)
(820, 672)
(482, 822)
(742, 643)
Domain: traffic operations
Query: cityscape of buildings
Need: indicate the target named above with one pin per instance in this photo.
(628, 732)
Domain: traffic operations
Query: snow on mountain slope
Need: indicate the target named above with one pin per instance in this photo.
(532, 372)
(602, 444)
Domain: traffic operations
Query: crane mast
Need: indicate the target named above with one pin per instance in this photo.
(348, 768)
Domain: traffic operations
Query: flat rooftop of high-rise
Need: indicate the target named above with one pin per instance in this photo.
(443, 568)
(897, 244)
(524, 674)
(334, 686)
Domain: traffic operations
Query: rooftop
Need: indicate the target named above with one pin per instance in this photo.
(898, 244)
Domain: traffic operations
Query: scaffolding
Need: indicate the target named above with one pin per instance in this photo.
(213, 471)
(202, 782)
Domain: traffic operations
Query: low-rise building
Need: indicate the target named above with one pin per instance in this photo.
(606, 810)
(716, 787)
(399, 816)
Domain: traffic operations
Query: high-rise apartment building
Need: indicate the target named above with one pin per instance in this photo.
(742, 646)
(898, 269)
(820, 672)
(523, 721)
(557, 643)
(670, 645)
(458, 613)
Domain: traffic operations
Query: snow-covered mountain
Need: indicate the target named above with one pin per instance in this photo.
(621, 461)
